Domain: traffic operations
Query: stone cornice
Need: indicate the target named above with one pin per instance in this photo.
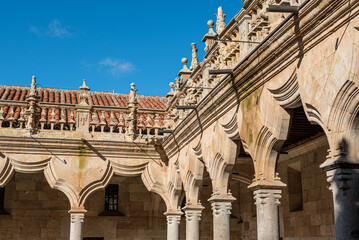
(275, 53)
(71, 147)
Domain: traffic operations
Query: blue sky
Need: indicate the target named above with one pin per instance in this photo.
(109, 43)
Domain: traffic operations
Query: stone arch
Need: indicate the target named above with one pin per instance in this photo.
(344, 120)
(156, 179)
(78, 192)
(218, 154)
(190, 170)
(262, 133)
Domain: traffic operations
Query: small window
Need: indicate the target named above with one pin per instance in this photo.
(2, 198)
(295, 187)
(111, 198)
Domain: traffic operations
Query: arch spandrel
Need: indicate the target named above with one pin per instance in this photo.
(328, 85)
(79, 177)
(191, 171)
(263, 128)
(219, 154)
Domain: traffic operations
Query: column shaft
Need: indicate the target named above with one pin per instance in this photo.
(267, 202)
(173, 222)
(221, 206)
(77, 220)
(344, 185)
(193, 219)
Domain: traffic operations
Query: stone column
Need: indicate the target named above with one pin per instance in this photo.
(267, 202)
(343, 177)
(193, 218)
(173, 221)
(221, 206)
(77, 219)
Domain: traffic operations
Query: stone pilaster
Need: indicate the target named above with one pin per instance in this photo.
(221, 206)
(343, 176)
(76, 226)
(193, 219)
(267, 202)
(173, 222)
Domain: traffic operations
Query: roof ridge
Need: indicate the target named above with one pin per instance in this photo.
(74, 90)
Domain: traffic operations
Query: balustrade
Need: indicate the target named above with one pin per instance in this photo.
(62, 117)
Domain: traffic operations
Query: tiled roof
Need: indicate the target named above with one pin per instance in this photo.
(61, 96)
(72, 97)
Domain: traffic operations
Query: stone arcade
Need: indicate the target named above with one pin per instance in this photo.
(279, 103)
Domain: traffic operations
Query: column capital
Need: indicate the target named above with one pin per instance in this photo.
(217, 197)
(191, 207)
(266, 184)
(77, 211)
(173, 216)
(262, 196)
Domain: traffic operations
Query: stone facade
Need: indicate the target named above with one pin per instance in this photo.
(257, 141)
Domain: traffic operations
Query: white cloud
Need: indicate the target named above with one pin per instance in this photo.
(54, 29)
(116, 66)
(34, 29)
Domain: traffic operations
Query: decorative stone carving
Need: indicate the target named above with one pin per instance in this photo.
(171, 93)
(184, 73)
(83, 109)
(220, 24)
(208, 39)
(32, 114)
(194, 62)
(131, 120)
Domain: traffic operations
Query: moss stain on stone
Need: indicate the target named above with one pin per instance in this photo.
(82, 159)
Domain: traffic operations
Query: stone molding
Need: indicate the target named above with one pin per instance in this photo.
(261, 196)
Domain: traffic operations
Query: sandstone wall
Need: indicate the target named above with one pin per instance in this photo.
(316, 220)
(39, 212)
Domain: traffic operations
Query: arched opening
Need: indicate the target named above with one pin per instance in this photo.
(33, 209)
(138, 215)
(205, 193)
(306, 209)
(243, 217)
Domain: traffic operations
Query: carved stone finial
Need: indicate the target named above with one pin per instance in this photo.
(210, 24)
(171, 93)
(84, 95)
(133, 91)
(33, 90)
(220, 24)
(208, 39)
(177, 85)
(84, 87)
(184, 62)
(32, 114)
(194, 62)
(184, 73)
(131, 120)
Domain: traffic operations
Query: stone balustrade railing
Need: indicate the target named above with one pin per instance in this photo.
(64, 117)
